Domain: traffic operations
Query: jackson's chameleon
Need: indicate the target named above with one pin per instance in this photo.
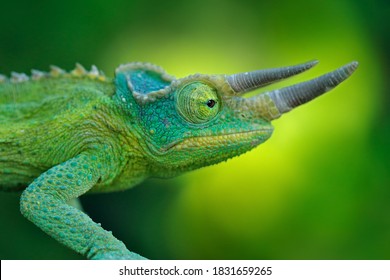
(63, 134)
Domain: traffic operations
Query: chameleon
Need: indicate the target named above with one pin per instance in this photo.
(67, 133)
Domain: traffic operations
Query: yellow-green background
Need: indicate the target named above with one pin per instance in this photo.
(318, 189)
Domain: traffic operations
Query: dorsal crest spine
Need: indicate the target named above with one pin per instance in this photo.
(56, 72)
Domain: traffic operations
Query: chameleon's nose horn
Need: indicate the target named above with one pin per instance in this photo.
(290, 97)
(244, 82)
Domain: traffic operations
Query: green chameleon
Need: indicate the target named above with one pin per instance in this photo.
(63, 134)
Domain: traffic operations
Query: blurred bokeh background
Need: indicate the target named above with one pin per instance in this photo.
(318, 189)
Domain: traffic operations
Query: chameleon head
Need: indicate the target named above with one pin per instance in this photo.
(201, 120)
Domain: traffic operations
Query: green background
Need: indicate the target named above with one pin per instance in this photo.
(318, 189)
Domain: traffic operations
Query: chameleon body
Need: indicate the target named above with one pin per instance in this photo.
(63, 134)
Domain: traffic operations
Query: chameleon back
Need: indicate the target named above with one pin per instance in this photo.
(32, 113)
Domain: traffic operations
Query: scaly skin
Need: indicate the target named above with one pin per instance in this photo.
(64, 134)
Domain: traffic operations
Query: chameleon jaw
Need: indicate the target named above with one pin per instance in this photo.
(254, 138)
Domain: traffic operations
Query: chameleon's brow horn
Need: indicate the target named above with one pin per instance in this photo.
(244, 82)
(290, 97)
(271, 105)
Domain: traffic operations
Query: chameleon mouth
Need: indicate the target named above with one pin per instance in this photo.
(253, 138)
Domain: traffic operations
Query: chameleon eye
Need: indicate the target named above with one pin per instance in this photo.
(197, 102)
(211, 103)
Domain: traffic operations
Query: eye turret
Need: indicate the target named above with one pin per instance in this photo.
(197, 102)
